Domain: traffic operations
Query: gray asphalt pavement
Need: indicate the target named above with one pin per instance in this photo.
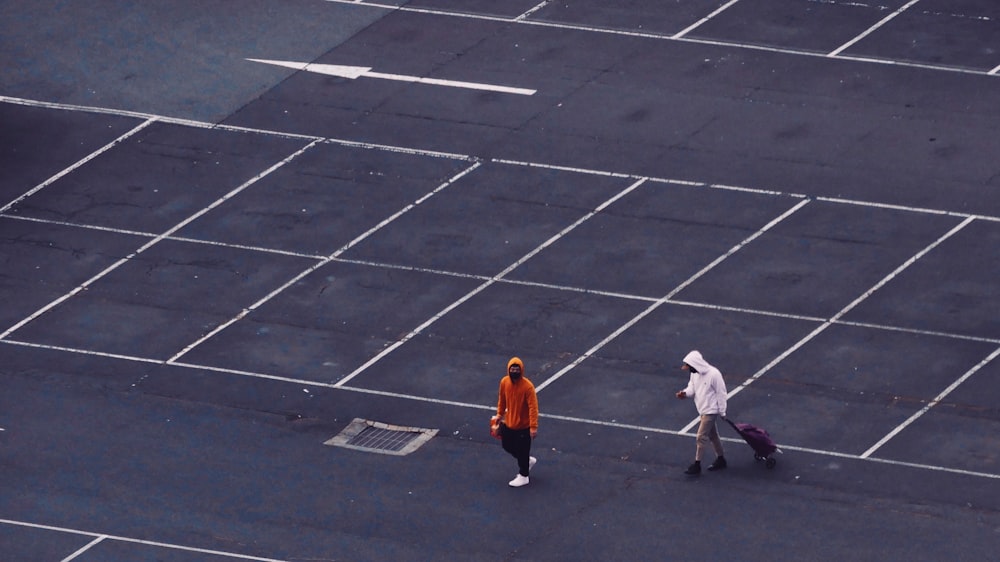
(211, 265)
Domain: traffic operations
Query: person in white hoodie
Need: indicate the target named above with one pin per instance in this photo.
(708, 390)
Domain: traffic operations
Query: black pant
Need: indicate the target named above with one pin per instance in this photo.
(517, 442)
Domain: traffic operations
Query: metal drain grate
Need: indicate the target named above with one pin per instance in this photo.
(377, 437)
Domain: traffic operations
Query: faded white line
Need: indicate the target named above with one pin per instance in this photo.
(159, 118)
(485, 407)
(155, 241)
(316, 266)
(820, 329)
(923, 210)
(872, 29)
(79, 163)
(526, 283)
(668, 296)
(661, 36)
(703, 20)
(137, 541)
(565, 168)
(488, 283)
(918, 332)
(525, 15)
(153, 235)
(937, 400)
(995, 71)
(437, 154)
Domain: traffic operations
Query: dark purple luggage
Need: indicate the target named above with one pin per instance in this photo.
(759, 440)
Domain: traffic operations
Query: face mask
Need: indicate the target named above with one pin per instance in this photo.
(514, 376)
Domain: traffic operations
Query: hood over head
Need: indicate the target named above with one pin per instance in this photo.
(515, 361)
(695, 360)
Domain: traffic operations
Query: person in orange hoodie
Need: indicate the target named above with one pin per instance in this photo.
(517, 413)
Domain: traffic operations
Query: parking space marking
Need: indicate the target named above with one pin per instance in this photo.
(660, 36)
(457, 156)
(822, 327)
(342, 386)
(140, 115)
(666, 298)
(489, 282)
(489, 407)
(872, 29)
(526, 283)
(937, 399)
(316, 266)
(149, 121)
(85, 548)
(102, 537)
(703, 20)
(531, 11)
(922, 210)
(156, 240)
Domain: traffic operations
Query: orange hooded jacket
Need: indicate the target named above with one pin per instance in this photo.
(518, 404)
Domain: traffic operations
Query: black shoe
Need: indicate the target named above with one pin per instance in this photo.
(719, 464)
(694, 468)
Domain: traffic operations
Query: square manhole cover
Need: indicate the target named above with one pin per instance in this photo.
(378, 437)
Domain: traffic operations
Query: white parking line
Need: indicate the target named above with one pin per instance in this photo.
(316, 266)
(702, 21)
(937, 399)
(525, 15)
(968, 218)
(456, 156)
(155, 241)
(666, 298)
(488, 407)
(488, 283)
(79, 163)
(102, 537)
(660, 36)
(821, 328)
(871, 29)
(526, 283)
(85, 548)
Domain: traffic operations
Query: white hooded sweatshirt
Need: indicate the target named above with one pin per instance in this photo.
(706, 386)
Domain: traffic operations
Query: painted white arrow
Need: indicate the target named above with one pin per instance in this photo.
(353, 72)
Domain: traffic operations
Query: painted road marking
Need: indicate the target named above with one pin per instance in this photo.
(149, 121)
(158, 239)
(496, 279)
(660, 36)
(482, 407)
(343, 386)
(666, 298)
(937, 400)
(320, 264)
(836, 317)
(525, 283)
(700, 22)
(87, 547)
(354, 72)
(98, 537)
(871, 29)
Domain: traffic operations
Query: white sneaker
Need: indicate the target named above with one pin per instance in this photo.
(531, 462)
(518, 481)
